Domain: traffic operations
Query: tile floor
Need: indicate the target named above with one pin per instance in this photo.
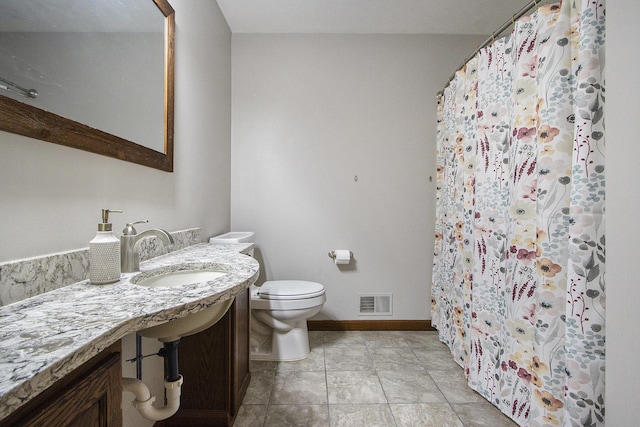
(366, 378)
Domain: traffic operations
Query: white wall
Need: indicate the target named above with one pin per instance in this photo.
(52, 195)
(311, 112)
(623, 205)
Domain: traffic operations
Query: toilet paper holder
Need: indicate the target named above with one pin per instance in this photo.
(332, 255)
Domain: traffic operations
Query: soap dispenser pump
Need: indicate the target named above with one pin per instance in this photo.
(104, 253)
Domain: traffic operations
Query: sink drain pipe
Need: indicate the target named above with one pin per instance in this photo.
(172, 385)
(170, 354)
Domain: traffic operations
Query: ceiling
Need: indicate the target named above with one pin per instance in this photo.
(473, 17)
(80, 15)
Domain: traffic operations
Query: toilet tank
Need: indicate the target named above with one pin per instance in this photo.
(233, 237)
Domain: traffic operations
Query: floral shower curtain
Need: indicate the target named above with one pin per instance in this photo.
(518, 279)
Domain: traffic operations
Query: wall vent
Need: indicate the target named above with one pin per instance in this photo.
(378, 304)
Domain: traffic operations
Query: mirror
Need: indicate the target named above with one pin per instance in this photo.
(92, 75)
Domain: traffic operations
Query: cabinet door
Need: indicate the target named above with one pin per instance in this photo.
(88, 397)
(240, 326)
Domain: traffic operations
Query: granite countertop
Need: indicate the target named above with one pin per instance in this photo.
(46, 337)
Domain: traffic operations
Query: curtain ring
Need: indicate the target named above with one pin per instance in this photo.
(513, 20)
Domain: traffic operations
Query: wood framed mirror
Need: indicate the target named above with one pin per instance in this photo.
(26, 117)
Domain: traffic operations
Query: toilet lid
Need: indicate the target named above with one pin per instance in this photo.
(289, 289)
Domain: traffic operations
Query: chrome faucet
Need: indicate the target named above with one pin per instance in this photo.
(130, 245)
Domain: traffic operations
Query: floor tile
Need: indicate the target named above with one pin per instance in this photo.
(347, 359)
(378, 415)
(259, 390)
(299, 388)
(425, 415)
(390, 359)
(262, 365)
(482, 414)
(354, 387)
(313, 362)
(368, 378)
(419, 338)
(430, 341)
(297, 416)
(343, 339)
(377, 339)
(250, 416)
(315, 339)
(455, 387)
(435, 360)
(410, 387)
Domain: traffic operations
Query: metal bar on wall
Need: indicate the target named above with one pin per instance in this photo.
(508, 24)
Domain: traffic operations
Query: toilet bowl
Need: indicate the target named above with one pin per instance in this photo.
(279, 313)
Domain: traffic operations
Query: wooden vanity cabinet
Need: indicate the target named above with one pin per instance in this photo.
(89, 396)
(215, 367)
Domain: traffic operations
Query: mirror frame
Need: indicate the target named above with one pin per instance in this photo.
(27, 120)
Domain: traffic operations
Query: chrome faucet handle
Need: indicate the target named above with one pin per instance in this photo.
(129, 230)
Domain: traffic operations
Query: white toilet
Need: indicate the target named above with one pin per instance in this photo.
(279, 312)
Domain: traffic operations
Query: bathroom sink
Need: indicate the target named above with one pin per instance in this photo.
(192, 323)
(178, 278)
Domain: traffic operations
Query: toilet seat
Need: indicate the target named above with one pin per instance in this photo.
(289, 290)
(287, 295)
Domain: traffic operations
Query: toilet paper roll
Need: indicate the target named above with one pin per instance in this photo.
(343, 256)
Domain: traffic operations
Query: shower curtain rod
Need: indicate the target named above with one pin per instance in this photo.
(490, 39)
(10, 86)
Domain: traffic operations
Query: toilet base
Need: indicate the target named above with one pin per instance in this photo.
(285, 346)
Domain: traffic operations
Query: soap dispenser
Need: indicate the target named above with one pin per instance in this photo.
(104, 253)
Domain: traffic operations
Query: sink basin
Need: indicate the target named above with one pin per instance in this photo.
(179, 278)
(192, 323)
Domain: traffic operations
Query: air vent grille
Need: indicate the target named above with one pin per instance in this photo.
(376, 304)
